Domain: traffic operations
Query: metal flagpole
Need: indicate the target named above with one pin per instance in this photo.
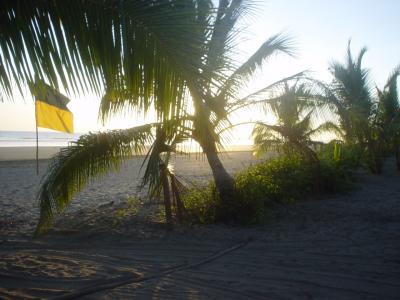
(37, 141)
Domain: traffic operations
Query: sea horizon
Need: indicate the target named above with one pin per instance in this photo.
(14, 138)
(17, 139)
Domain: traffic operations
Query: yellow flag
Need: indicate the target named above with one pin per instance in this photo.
(51, 109)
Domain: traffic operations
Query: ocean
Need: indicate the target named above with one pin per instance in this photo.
(28, 138)
(60, 139)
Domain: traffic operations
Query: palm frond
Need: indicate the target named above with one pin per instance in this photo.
(136, 51)
(266, 139)
(276, 44)
(153, 160)
(387, 115)
(92, 155)
(303, 124)
(352, 89)
(264, 95)
(295, 109)
(351, 82)
(327, 94)
(359, 57)
(168, 135)
(326, 127)
(223, 34)
(391, 90)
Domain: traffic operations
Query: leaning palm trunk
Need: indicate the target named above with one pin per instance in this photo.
(223, 181)
(203, 134)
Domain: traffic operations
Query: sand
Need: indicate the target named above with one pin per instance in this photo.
(336, 247)
(26, 153)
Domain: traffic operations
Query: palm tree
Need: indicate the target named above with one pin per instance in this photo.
(139, 51)
(211, 91)
(351, 86)
(295, 109)
(388, 115)
(210, 119)
(166, 55)
(351, 94)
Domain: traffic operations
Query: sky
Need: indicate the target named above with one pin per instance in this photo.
(320, 29)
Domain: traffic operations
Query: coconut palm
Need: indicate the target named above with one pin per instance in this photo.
(388, 115)
(211, 91)
(141, 51)
(166, 55)
(213, 102)
(352, 89)
(351, 94)
(295, 109)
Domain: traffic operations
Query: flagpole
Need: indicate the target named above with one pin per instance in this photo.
(37, 141)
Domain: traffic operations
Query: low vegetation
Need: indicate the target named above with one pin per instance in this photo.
(279, 181)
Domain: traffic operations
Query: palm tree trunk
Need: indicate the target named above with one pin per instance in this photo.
(167, 194)
(223, 180)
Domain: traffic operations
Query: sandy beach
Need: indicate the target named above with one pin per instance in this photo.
(26, 153)
(337, 247)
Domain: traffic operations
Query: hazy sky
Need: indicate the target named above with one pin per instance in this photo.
(321, 30)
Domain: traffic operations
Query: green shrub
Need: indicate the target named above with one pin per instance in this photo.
(334, 178)
(200, 204)
(132, 207)
(338, 161)
(284, 179)
(340, 155)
